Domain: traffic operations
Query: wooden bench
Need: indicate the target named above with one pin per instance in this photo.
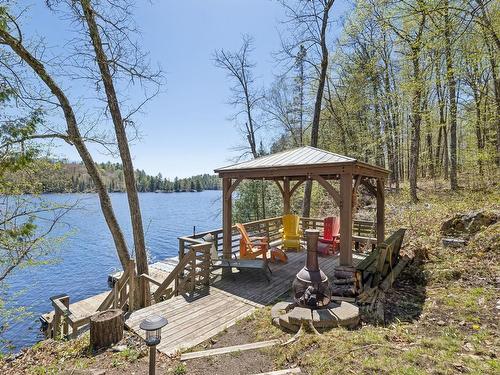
(244, 264)
(378, 264)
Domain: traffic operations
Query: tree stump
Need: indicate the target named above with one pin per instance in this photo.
(106, 328)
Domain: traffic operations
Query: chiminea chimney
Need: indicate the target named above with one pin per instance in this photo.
(311, 287)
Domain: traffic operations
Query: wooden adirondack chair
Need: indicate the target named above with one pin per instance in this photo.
(251, 248)
(331, 233)
(290, 232)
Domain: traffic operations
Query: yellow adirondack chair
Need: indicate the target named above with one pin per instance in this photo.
(290, 232)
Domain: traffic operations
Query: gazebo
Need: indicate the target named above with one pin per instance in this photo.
(289, 169)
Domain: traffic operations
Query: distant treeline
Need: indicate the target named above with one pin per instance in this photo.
(69, 177)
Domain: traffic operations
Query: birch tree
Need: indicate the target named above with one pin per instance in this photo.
(41, 82)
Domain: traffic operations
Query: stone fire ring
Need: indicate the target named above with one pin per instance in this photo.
(290, 316)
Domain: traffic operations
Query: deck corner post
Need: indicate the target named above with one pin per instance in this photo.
(227, 219)
(346, 219)
(380, 211)
(131, 285)
(65, 301)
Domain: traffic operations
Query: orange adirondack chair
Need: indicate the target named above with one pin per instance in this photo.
(331, 229)
(251, 248)
(290, 232)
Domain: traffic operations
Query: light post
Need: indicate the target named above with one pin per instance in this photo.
(153, 325)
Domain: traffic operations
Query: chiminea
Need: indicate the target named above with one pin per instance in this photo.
(311, 287)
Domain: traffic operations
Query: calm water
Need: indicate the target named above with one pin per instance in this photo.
(87, 256)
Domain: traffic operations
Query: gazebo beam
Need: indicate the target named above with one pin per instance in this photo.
(227, 217)
(346, 219)
(296, 186)
(234, 185)
(287, 192)
(286, 196)
(329, 188)
(372, 189)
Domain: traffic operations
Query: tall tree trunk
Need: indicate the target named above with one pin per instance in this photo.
(488, 25)
(75, 138)
(452, 95)
(390, 138)
(306, 207)
(496, 90)
(477, 94)
(442, 121)
(121, 137)
(416, 122)
(493, 53)
(428, 140)
(378, 128)
(446, 155)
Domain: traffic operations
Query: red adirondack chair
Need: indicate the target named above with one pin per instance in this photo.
(331, 229)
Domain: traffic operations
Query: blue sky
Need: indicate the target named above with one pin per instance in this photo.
(186, 129)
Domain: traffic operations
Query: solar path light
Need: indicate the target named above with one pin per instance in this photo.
(153, 325)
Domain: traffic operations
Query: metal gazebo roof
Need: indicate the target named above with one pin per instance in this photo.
(300, 162)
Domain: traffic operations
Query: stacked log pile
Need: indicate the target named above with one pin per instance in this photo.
(346, 282)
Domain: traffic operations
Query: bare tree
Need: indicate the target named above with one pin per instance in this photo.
(117, 57)
(245, 97)
(121, 138)
(452, 96)
(285, 103)
(413, 40)
(308, 25)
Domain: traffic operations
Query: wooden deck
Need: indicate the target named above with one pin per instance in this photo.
(194, 319)
(82, 308)
(254, 288)
(88, 306)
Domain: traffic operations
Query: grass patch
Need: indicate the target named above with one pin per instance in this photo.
(443, 305)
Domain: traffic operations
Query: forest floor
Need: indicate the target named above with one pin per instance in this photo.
(441, 317)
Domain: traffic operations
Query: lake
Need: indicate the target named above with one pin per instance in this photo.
(87, 256)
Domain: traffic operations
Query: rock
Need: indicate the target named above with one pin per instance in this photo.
(83, 372)
(119, 348)
(441, 323)
(466, 225)
(454, 242)
(468, 347)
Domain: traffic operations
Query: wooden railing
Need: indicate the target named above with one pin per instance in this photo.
(192, 270)
(64, 319)
(266, 227)
(120, 296)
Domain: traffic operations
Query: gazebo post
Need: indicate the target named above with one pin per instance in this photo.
(346, 219)
(227, 230)
(380, 211)
(286, 196)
